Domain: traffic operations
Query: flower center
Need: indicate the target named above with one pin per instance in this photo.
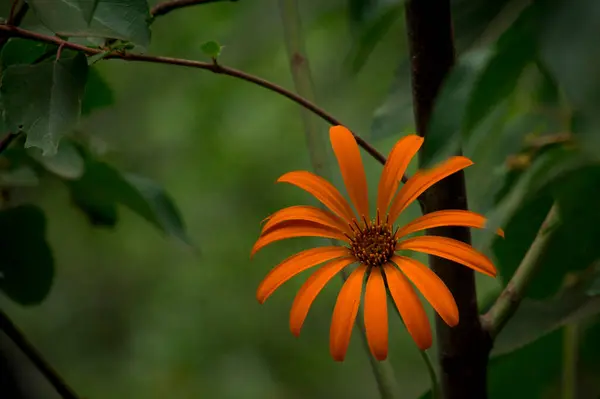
(373, 244)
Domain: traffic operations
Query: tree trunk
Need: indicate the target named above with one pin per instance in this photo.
(464, 349)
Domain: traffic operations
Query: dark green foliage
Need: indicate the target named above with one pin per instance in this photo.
(211, 49)
(102, 188)
(44, 100)
(107, 19)
(26, 264)
(98, 93)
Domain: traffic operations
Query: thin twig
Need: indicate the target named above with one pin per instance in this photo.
(19, 339)
(12, 31)
(59, 52)
(510, 298)
(535, 143)
(435, 386)
(14, 20)
(570, 361)
(20, 15)
(12, 12)
(168, 6)
(7, 140)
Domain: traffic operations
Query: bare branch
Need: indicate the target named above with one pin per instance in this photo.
(172, 5)
(7, 140)
(12, 31)
(463, 350)
(19, 339)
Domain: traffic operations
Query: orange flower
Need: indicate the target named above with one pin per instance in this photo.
(372, 244)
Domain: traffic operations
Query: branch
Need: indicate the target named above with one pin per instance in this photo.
(509, 300)
(168, 6)
(462, 350)
(12, 31)
(11, 330)
(7, 140)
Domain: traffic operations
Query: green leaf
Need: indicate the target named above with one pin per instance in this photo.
(532, 371)
(91, 60)
(489, 146)
(528, 373)
(113, 19)
(594, 288)
(102, 187)
(211, 49)
(572, 248)
(98, 214)
(26, 264)
(585, 128)
(395, 115)
(20, 51)
(477, 85)
(98, 93)
(521, 229)
(44, 100)
(545, 169)
(371, 30)
(88, 9)
(514, 51)
(536, 318)
(572, 58)
(445, 128)
(66, 163)
(427, 395)
(472, 18)
(163, 211)
(360, 10)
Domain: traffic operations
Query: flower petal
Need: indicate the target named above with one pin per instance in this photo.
(296, 264)
(295, 229)
(398, 160)
(376, 317)
(311, 288)
(322, 190)
(424, 179)
(450, 249)
(410, 307)
(348, 156)
(307, 213)
(431, 286)
(344, 314)
(453, 217)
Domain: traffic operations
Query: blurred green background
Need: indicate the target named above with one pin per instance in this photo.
(134, 313)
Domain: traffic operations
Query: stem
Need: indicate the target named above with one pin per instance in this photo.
(435, 389)
(303, 83)
(317, 144)
(464, 349)
(382, 370)
(12, 332)
(569, 370)
(510, 298)
(168, 6)
(12, 12)
(14, 19)
(7, 140)
(11, 31)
